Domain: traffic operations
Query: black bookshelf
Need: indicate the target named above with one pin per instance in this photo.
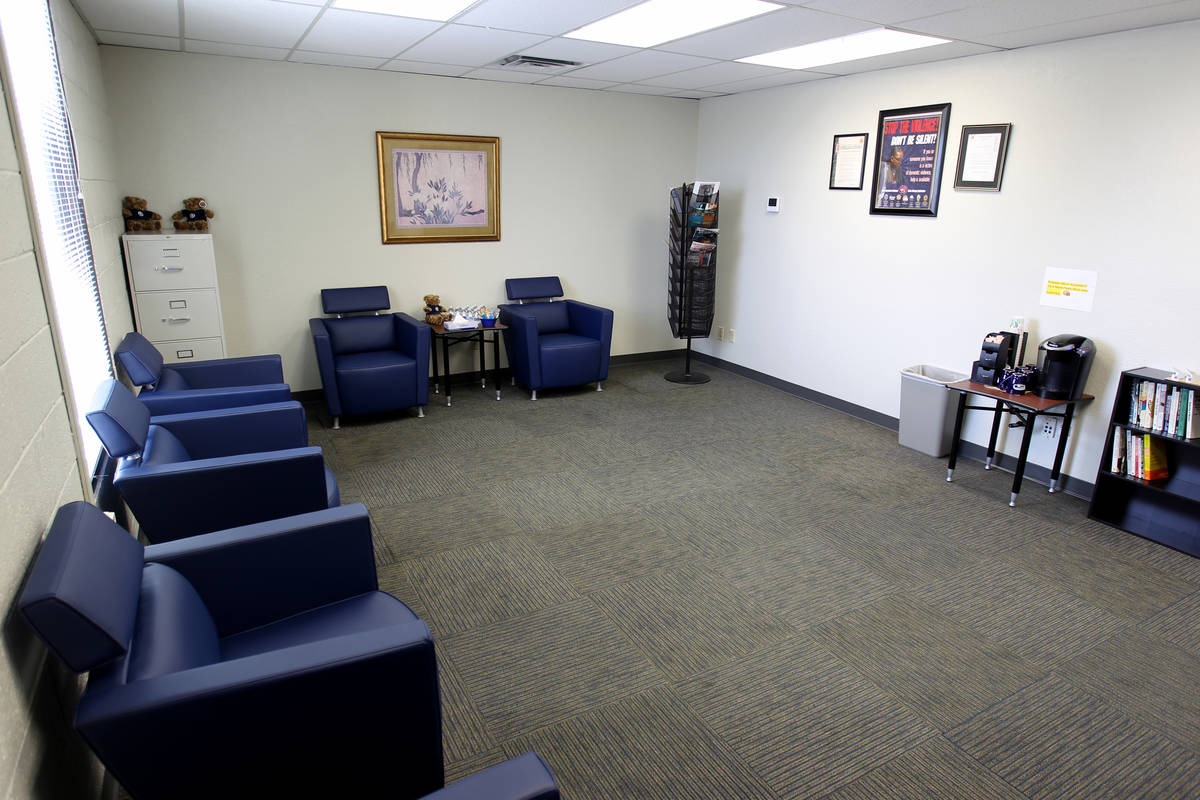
(691, 271)
(1166, 510)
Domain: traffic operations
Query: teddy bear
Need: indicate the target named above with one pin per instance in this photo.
(194, 216)
(434, 313)
(137, 217)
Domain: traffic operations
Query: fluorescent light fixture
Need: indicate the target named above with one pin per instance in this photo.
(877, 42)
(440, 10)
(658, 21)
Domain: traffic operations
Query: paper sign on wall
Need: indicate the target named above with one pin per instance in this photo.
(1069, 288)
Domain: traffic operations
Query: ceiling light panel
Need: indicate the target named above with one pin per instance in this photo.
(877, 42)
(658, 21)
(439, 10)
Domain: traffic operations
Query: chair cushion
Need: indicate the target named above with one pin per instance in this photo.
(174, 630)
(333, 495)
(356, 615)
(551, 317)
(171, 381)
(163, 447)
(361, 334)
(382, 380)
(119, 420)
(141, 360)
(81, 595)
(569, 360)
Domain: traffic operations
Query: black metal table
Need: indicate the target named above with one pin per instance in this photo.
(448, 338)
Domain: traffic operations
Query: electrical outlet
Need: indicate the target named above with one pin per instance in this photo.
(720, 334)
(1049, 427)
(731, 334)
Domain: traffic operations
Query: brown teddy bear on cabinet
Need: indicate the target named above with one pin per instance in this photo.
(434, 313)
(194, 216)
(138, 217)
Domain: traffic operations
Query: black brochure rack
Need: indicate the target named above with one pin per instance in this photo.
(692, 269)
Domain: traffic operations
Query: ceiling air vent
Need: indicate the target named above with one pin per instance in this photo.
(535, 64)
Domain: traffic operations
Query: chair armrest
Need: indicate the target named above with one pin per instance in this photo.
(525, 777)
(241, 371)
(367, 699)
(522, 334)
(324, 349)
(413, 336)
(235, 431)
(589, 320)
(171, 501)
(182, 402)
(257, 574)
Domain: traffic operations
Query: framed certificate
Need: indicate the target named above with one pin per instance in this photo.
(849, 159)
(981, 153)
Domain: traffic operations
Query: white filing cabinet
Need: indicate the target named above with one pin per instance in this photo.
(176, 302)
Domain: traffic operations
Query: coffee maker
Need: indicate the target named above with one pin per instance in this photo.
(1064, 362)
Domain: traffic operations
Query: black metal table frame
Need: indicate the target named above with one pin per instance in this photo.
(450, 338)
(1026, 415)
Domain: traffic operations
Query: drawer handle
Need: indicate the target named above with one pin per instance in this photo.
(166, 268)
(169, 320)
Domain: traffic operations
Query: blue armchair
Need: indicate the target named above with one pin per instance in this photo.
(370, 363)
(554, 344)
(255, 662)
(199, 385)
(525, 777)
(184, 474)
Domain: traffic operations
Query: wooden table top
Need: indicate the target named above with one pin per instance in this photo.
(441, 330)
(1028, 400)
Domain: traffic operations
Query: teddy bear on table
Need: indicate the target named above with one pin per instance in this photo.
(138, 217)
(434, 313)
(194, 216)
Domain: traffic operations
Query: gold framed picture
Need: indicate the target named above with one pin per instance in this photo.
(438, 188)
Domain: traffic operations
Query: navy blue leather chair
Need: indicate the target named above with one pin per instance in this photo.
(184, 474)
(525, 777)
(256, 662)
(199, 385)
(370, 363)
(554, 344)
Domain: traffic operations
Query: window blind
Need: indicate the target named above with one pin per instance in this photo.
(47, 148)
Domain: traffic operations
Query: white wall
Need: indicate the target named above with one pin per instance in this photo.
(285, 155)
(39, 757)
(1102, 175)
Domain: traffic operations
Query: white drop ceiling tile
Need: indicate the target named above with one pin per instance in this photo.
(261, 23)
(889, 12)
(358, 33)
(155, 17)
(939, 52)
(979, 23)
(638, 88)
(640, 66)
(774, 31)
(301, 2)
(426, 68)
(550, 17)
(786, 78)
(138, 40)
(721, 72)
(575, 83)
(504, 75)
(1096, 26)
(470, 46)
(335, 59)
(236, 50)
(578, 50)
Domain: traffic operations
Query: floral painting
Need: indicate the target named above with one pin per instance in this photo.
(438, 188)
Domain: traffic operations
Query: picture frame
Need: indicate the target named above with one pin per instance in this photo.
(438, 187)
(981, 154)
(849, 161)
(910, 150)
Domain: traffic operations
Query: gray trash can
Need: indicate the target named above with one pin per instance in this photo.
(927, 408)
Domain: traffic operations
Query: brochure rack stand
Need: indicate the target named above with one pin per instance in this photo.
(692, 268)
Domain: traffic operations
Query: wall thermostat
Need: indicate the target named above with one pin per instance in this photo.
(773, 204)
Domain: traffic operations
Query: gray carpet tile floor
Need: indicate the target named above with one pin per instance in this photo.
(725, 591)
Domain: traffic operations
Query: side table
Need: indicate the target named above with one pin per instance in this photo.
(453, 337)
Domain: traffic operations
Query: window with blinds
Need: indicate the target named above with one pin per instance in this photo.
(46, 147)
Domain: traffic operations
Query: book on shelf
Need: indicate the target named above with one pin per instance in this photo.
(1154, 467)
(1160, 405)
(1118, 451)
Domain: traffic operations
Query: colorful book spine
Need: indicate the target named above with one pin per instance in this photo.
(1160, 406)
(1155, 468)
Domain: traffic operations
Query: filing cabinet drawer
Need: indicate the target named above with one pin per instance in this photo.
(187, 314)
(170, 263)
(191, 350)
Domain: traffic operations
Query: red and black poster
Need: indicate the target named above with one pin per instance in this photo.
(910, 147)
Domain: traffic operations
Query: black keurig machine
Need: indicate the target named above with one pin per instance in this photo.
(1064, 362)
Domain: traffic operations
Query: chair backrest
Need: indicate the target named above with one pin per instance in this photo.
(533, 288)
(141, 360)
(81, 597)
(119, 420)
(361, 334)
(355, 298)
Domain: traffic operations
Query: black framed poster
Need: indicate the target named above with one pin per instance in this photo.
(910, 149)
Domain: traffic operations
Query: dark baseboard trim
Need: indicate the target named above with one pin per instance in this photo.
(976, 452)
